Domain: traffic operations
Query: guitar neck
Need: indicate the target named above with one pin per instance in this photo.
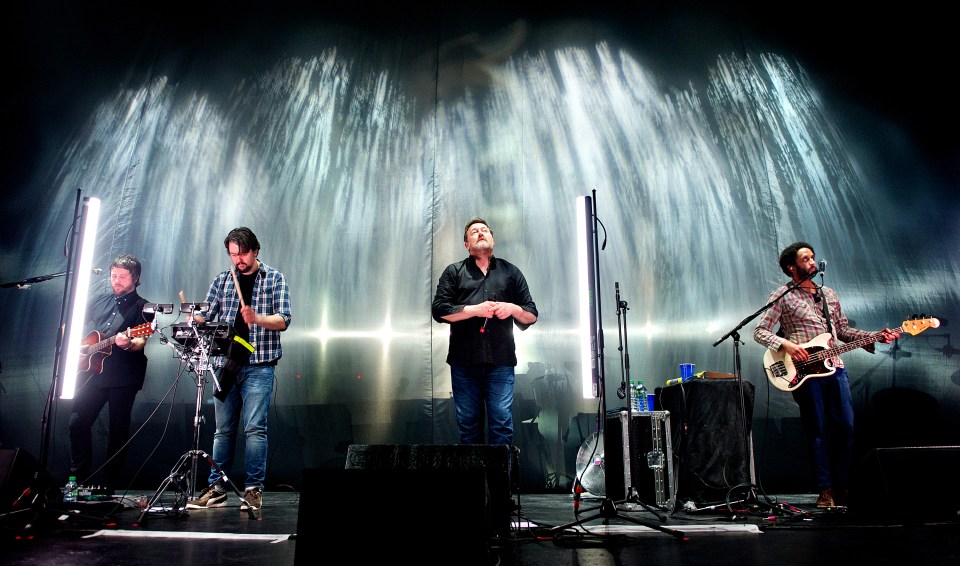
(829, 353)
(102, 345)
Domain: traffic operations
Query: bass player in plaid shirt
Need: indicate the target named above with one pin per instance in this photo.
(803, 313)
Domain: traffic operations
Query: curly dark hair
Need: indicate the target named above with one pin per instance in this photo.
(788, 256)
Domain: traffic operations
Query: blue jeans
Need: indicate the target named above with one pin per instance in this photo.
(826, 412)
(246, 405)
(483, 391)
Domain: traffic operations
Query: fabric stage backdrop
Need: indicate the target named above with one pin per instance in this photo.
(357, 151)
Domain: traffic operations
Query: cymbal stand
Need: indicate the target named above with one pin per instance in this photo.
(182, 477)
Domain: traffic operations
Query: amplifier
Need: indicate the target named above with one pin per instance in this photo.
(644, 451)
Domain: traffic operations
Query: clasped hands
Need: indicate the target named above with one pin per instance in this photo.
(491, 309)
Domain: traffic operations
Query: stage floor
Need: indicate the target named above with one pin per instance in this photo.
(781, 530)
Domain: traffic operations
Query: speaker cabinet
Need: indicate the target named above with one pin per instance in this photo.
(907, 484)
(388, 497)
(496, 462)
(18, 472)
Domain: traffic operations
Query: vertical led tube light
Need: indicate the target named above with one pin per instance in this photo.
(586, 276)
(80, 273)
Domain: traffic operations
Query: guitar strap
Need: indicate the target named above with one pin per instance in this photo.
(826, 315)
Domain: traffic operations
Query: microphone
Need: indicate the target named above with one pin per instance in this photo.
(493, 297)
(823, 266)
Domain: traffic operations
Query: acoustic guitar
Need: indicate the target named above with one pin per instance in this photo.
(95, 348)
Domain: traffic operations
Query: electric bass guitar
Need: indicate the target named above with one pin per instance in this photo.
(95, 348)
(786, 375)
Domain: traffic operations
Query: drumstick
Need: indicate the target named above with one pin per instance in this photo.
(233, 271)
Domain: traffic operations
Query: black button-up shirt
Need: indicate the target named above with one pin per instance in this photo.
(110, 315)
(463, 284)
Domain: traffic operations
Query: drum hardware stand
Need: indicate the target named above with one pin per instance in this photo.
(199, 341)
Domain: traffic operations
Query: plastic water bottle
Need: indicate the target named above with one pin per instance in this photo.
(641, 396)
(70, 490)
(634, 407)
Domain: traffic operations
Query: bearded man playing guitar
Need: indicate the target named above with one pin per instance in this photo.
(803, 313)
(113, 367)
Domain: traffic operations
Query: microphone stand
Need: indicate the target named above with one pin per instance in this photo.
(751, 496)
(630, 492)
(608, 508)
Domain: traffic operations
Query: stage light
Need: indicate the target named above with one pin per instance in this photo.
(80, 276)
(587, 283)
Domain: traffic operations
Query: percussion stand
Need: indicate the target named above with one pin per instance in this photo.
(184, 474)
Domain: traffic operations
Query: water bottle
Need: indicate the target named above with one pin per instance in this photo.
(70, 490)
(642, 397)
(634, 407)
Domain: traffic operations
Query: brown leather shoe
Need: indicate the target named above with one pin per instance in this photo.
(825, 499)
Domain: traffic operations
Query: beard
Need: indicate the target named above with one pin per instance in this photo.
(481, 248)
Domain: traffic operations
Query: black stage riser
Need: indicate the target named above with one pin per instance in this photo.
(381, 516)
(392, 495)
(908, 484)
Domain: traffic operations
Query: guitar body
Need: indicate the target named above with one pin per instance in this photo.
(238, 356)
(93, 362)
(786, 375)
(94, 348)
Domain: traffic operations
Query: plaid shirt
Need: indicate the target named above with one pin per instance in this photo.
(270, 296)
(801, 319)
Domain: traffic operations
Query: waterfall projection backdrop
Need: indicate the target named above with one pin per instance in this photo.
(356, 158)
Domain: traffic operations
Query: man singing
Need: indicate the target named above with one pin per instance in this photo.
(482, 298)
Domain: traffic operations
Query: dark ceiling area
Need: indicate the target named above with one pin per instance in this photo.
(893, 63)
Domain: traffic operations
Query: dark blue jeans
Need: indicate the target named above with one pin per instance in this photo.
(826, 412)
(483, 394)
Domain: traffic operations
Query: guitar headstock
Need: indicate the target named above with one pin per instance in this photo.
(145, 329)
(917, 325)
